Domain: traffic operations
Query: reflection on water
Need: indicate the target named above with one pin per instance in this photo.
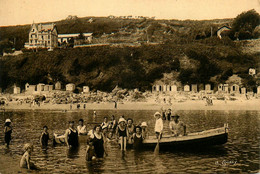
(239, 154)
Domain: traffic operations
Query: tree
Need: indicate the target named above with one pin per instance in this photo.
(244, 25)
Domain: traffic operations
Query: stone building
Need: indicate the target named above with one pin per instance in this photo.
(42, 36)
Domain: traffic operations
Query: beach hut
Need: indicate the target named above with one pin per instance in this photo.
(164, 88)
(16, 90)
(70, 87)
(194, 88)
(30, 88)
(243, 90)
(85, 89)
(207, 87)
(27, 86)
(40, 87)
(220, 87)
(168, 88)
(58, 85)
(234, 88)
(48, 88)
(187, 88)
(226, 87)
(173, 88)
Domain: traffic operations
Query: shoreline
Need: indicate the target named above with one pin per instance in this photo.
(253, 104)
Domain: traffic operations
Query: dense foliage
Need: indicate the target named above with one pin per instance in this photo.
(244, 25)
(189, 50)
(105, 67)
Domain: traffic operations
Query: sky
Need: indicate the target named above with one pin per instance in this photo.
(19, 12)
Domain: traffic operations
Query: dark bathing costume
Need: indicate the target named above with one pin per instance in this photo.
(45, 138)
(122, 133)
(138, 142)
(8, 136)
(73, 138)
(98, 146)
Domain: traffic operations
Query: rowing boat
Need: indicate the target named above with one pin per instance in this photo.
(205, 138)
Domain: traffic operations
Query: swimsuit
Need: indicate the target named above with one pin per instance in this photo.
(98, 146)
(8, 136)
(73, 138)
(122, 133)
(138, 141)
(45, 138)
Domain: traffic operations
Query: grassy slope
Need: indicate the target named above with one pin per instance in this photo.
(190, 60)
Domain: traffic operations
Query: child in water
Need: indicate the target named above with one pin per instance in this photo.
(122, 133)
(138, 138)
(7, 131)
(25, 161)
(90, 151)
(44, 137)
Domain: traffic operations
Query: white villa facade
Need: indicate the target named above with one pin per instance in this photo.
(42, 36)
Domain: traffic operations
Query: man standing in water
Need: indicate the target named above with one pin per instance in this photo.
(177, 127)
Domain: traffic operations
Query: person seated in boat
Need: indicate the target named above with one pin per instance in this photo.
(130, 129)
(158, 128)
(90, 151)
(44, 137)
(138, 138)
(144, 130)
(176, 126)
(122, 133)
(81, 128)
(25, 161)
(105, 123)
(71, 136)
(99, 142)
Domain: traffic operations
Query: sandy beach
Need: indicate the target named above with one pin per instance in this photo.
(252, 104)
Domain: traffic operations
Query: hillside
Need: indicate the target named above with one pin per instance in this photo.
(102, 68)
(185, 51)
(119, 30)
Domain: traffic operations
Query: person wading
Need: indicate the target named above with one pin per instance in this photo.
(71, 136)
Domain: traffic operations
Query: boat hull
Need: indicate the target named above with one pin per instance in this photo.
(190, 143)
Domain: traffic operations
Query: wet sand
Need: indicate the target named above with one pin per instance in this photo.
(253, 104)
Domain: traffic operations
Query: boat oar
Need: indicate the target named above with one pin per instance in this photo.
(156, 150)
